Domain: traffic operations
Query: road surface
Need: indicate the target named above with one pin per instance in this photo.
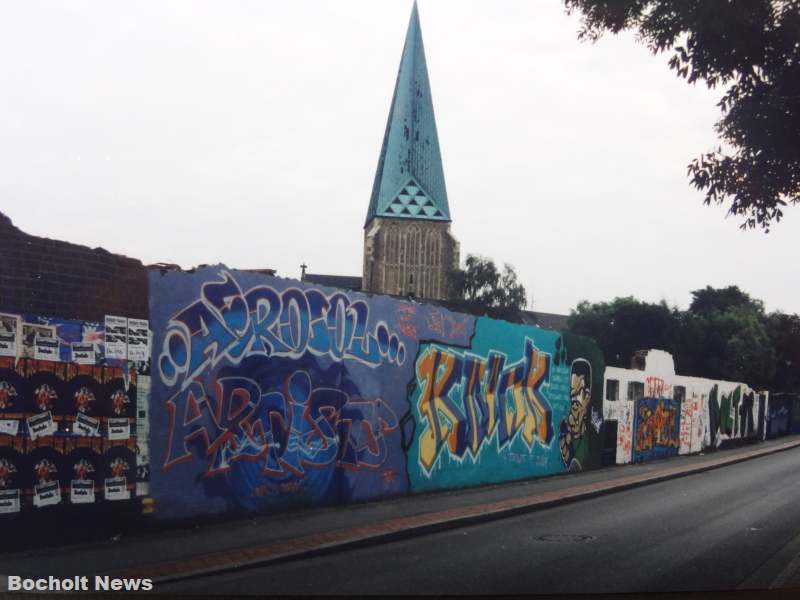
(736, 526)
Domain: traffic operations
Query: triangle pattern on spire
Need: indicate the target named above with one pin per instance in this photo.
(410, 159)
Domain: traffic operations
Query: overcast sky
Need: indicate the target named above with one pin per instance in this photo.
(248, 133)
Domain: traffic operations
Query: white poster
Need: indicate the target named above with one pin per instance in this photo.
(86, 425)
(83, 353)
(116, 337)
(46, 494)
(30, 333)
(81, 491)
(137, 339)
(117, 489)
(9, 426)
(9, 501)
(41, 425)
(10, 332)
(46, 348)
(119, 429)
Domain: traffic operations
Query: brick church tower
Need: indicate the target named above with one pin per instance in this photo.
(408, 247)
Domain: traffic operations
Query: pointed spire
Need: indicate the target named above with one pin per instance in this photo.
(409, 181)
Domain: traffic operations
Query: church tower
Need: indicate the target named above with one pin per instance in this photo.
(408, 247)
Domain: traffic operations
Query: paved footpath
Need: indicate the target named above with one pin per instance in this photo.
(218, 546)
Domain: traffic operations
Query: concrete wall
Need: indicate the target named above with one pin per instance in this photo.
(677, 414)
(269, 393)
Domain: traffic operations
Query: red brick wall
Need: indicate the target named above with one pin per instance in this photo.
(57, 279)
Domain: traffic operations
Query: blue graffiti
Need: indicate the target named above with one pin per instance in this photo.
(228, 323)
(287, 432)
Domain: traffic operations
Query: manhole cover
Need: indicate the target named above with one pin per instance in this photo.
(566, 538)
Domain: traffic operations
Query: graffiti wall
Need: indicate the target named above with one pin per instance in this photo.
(517, 403)
(660, 413)
(268, 393)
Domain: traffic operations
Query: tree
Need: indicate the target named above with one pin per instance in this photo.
(625, 325)
(751, 46)
(481, 289)
(784, 330)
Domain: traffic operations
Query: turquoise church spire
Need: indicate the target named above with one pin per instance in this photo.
(409, 181)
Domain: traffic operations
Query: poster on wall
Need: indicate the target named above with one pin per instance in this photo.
(46, 348)
(83, 353)
(46, 494)
(137, 339)
(116, 337)
(117, 489)
(86, 425)
(32, 332)
(41, 425)
(81, 491)
(119, 429)
(9, 426)
(10, 332)
(9, 501)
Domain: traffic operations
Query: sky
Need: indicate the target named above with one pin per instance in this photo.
(248, 133)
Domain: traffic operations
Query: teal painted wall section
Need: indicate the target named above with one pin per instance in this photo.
(520, 402)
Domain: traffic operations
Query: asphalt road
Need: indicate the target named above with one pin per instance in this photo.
(737, 526)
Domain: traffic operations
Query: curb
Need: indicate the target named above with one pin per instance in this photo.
(407, 527)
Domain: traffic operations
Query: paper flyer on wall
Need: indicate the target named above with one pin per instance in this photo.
(83, 353)
(30, 333)
(9, 501)
(9, 426)
(119, 429)
(10, 332)
(137, 339)
(46, 494)
(86, 425)
(81, 491)
(116, 337)
(46, 348)
(117, 489)
(41, 425)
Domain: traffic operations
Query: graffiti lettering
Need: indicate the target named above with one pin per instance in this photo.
(508, 402)
(287, 431)
(227, 323)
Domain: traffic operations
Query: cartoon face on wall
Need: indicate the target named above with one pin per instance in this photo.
(7, 395)
(118, 467)
(45, 396)
(7, 469)
(44, 469)
(119, 400)
(83, 399)
(573, 427)
(83, 469)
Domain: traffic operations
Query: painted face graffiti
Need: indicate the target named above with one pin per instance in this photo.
(118, 402)
(83, 399)
(7, 395)
(493, 400)
(83, 469)
(7, 469)
(44, 470)
(227, 323)
(45, 396)
(573, 426)
(287, 431)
